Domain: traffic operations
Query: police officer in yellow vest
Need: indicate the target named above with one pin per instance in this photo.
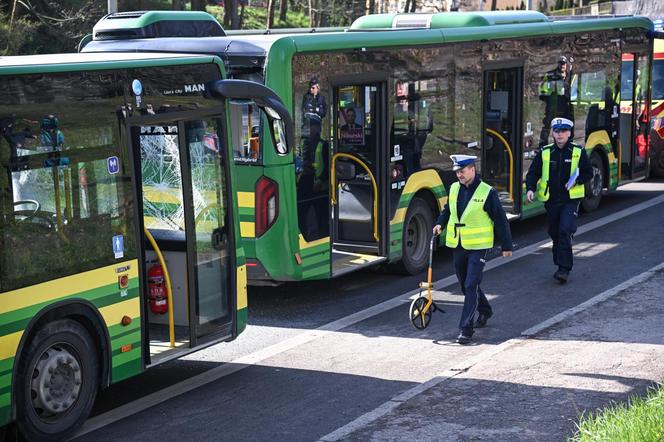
(557, 176)
(471, 214)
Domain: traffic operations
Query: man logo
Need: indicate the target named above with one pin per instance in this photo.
(194, 88)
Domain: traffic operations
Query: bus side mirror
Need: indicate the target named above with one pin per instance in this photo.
(278, 131)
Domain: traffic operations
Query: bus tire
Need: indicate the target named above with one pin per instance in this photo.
(416, 235)
(595, 185)
(57, 381)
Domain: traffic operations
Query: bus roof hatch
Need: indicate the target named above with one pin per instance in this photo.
(154, 24)
(447, 20)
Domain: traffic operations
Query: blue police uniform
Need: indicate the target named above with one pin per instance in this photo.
(469, 264)
(561, 210)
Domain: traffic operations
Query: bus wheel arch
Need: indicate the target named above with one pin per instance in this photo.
(594, 187)
(81, 312)
(416, 234)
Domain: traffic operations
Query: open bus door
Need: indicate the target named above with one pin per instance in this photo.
(183, 183)
(634, 115)
(357, 176)
(184, 189)
(501, 148)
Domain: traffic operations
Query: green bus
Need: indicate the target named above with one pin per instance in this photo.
(120, 247)
(379, 107)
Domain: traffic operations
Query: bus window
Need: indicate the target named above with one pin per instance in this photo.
(162, 178)
(61, 203)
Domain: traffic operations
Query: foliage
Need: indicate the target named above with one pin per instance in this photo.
(46, 26)
(255, 18)
(17, 37)
(641, 419)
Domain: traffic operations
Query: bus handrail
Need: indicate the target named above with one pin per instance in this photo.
(373, 183)
(509, 152)
(167, 279)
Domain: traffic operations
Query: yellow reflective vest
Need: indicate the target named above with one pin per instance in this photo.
(475, 228)
(577, 191)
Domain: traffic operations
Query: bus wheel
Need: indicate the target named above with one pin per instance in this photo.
(417, 227)
(57, 381)
(595, 185)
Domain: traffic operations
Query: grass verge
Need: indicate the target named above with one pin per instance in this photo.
(640, 419)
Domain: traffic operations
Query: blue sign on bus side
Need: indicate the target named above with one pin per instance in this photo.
(118, 246)
(113, 165)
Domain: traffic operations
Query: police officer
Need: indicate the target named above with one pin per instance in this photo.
(557, 176)
(314, 107)
(471, 214)
(555, 90)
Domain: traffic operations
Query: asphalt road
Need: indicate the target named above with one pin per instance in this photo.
(291, 380)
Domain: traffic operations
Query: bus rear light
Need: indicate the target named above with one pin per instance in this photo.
(267, 204)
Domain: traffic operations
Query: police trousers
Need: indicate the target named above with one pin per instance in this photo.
(562, 226)
(469, 265)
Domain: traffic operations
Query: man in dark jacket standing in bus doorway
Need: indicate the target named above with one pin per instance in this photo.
(557, 176)
(471, 214)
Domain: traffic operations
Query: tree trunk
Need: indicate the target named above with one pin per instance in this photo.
(311, 15)
(198, 5)
(231, 17)
(178, 5)
(494, 4)
(407, 6)
(271, 6)
(283, 9)
(413, 5)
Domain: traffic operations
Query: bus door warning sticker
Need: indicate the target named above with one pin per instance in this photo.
(118, 246)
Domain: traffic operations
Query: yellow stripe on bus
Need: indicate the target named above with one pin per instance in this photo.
(9, 345)
(247, 229)
(67, 286)
(242, 287)
(246, 199)
(424, 179)
(113, 314)
(305, 245)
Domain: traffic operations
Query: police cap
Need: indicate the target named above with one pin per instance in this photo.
(461, 161)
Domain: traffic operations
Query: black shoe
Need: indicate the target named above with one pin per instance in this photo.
(463, 339)
(482, 319)
(561, 276)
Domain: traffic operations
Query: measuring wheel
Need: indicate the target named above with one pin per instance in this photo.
(418, 316)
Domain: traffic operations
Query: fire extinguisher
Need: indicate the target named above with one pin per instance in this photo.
(157, 298)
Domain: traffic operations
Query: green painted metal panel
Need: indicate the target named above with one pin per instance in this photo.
(128, 369)
(18, 320)
(241, 323)
(6, 365)
(414, 37)
(90, 62)
(450, 19)
(5, 409)
(135, 21)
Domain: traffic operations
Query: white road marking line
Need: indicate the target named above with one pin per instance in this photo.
(461, 367)
(243, 362)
